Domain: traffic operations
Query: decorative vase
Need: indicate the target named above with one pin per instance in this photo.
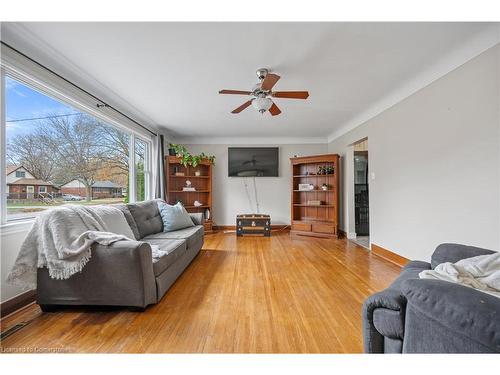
(171, 152)
(207, 214)
(197, 173)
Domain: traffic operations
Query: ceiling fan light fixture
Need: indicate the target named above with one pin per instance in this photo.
(262, 92)
(262, 104)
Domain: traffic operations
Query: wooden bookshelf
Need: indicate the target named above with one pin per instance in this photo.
(315, 220)
(202, 184)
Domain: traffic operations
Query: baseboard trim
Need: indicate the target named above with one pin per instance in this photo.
(16, 303)
(233, 227)
(389, 255)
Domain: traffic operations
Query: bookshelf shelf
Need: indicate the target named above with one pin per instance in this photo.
(315, 205)
(313, 191)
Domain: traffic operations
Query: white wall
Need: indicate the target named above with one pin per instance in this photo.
(436, 161)
(229, 194)
(10, 243)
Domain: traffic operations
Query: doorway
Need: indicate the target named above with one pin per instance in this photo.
(361, 195)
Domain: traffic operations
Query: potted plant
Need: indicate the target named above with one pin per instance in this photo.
(210, 158)
(186, 158)
(172, 149)
(195, 160)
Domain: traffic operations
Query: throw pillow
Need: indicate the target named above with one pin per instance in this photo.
(174, 217)
(114, 219)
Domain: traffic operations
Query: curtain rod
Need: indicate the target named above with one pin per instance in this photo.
(99, 105)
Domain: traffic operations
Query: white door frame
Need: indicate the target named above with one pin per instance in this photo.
(349, 186)
(350, 208)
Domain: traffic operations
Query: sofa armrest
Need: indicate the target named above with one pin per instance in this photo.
(389, 299)
(463, 313)
(197, 218)
(453, 252)
(120, 274)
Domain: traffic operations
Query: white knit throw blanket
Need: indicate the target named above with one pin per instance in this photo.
(60, 239)
(481, 272)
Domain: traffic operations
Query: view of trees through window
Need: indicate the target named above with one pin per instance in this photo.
(140, 173)
(56, 154)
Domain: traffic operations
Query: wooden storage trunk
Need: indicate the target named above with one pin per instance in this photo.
(253, 224)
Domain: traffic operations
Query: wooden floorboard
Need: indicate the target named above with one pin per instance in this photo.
(240, 295)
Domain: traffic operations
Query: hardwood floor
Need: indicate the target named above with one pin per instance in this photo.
(248, 295)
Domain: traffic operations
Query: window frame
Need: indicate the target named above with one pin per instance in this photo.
(46, 89)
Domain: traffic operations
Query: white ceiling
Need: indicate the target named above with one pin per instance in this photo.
(170, 73)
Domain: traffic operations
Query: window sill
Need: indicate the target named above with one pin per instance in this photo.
(16, 226)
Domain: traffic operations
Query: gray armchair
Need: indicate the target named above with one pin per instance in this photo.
(430, 316)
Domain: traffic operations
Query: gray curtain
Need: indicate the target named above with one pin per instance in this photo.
(160, 176)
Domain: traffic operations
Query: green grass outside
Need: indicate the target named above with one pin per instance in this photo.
(27, 205)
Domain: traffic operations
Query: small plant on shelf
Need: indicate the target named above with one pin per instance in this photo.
(187, 158)
(210, 158)
(322, 170)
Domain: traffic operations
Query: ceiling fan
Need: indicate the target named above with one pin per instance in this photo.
(262, 93)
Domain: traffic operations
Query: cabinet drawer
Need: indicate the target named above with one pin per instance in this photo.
(323, 228)
(303, 227)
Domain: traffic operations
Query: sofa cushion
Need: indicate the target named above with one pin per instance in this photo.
(451, 317)
(147, 217)
(191, 235)
(114, 219)
(172, 250)
(130, 219)
(174, 217)
(452, 252)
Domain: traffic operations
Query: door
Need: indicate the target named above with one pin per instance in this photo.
(30, 192)
(361, 198)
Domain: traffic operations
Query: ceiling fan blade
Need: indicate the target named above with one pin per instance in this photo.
(242, 107)
(291, 94)
(269, 82)
(274, 110)
(235, 92)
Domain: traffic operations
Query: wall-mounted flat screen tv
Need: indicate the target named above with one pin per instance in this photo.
(253, 161)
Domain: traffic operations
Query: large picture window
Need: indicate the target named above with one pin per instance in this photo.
(56, 154)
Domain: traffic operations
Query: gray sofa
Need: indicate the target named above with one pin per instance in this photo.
(124, 273)
(431, 316)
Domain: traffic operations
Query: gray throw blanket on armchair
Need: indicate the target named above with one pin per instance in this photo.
(61, 239)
